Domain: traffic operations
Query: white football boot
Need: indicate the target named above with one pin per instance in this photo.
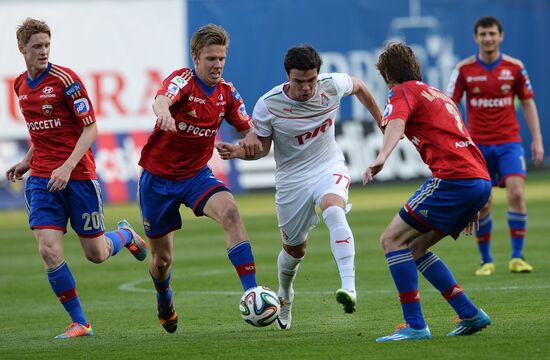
(347, 298)
(285, 317)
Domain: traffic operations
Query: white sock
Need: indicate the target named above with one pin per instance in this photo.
(342, 244)
(287, 268)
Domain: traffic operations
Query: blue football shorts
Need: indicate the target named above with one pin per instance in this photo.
(160, 199)
(445, 206)
(504, 160)
(80, 202)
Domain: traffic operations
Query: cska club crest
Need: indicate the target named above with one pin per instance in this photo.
(47, 109)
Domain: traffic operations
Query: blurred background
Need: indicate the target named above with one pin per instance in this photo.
(123, 49)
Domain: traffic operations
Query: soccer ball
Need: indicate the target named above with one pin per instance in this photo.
(259, 306)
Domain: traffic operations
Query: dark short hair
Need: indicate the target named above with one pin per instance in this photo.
(487, 21)
(302, 57)
(398, 63)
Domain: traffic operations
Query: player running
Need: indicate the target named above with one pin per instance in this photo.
(491, 80)
(63, 183)
(190, 107)
(447, 203)
(298, 117)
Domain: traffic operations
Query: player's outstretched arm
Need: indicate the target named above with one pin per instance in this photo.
(161, 108)
(393, 133)
(60, 176)
(532, 119)
(17, 171)
(236, 151)
(363, 94)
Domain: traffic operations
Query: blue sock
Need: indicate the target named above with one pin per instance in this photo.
(483, 236)
(439, 275)
(164, 291)
(119, 238)
(518, 224)
(403, 271)
(63, 285)
(242, 259)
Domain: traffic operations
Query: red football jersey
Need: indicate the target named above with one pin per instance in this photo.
(198, 116)
(490, 91)
(433, 124)
(56, 107)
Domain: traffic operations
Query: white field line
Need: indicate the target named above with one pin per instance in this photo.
(133, 286)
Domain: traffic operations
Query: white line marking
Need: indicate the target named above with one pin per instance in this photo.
(133, 286)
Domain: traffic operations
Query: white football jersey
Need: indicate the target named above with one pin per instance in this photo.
(303, 131)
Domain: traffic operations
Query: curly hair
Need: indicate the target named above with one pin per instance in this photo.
(29, 27)
(397, 63)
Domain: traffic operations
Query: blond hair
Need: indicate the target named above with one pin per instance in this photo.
(29, 27)
(210, 34)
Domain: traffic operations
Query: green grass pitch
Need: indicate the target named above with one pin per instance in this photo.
(119, 301)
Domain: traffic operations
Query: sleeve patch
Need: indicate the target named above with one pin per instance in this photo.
(173, 89)
(81, 106)
(242, 111)
(179, 81)
(72, 89)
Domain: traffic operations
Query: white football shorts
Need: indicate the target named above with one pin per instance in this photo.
(296, 207)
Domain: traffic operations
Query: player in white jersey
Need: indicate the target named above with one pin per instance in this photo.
(298, 117)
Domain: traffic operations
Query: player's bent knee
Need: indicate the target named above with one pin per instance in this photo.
(161, 261)
(231, 216)
(417, 249)
(296, 252)
(516, 196)
(97, 256)
(50, 255)
(388, 242)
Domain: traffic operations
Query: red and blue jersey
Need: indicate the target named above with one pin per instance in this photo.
(433, 124)
(490, 91)
(198, 111)
(56, 107)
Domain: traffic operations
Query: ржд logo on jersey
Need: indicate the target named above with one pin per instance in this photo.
(309, 135)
